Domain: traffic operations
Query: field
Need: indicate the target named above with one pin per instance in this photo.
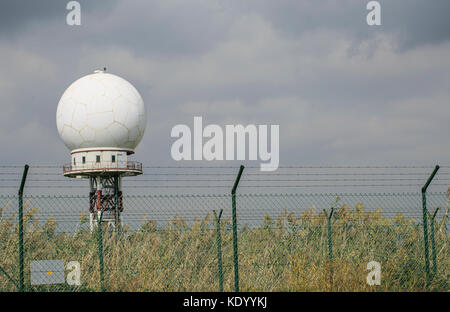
(287, 253)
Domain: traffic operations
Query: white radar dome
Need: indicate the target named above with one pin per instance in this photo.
(101, 110)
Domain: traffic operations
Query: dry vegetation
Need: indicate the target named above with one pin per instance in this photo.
(289, 253)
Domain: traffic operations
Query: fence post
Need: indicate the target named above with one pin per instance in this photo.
(330, 245)
(433, 243)
(20, 198)
(219, 249)
(235, 245)
(100, 250)
(425, 225)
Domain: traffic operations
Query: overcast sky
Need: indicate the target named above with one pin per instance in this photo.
(342, 92)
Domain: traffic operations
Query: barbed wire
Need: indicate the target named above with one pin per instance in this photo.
(301, 177)
(231, 180)
(257, 167)
(228, 186)
(249, 174)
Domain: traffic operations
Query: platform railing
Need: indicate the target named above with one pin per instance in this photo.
(107, 166)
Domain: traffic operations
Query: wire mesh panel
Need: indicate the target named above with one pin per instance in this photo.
(8, 243)
(285, 243)
(55, 229)
(167, 243)
(174, 240)
(301, 249)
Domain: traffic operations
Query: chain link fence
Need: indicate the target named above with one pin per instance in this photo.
(286, 242)
(300, 241)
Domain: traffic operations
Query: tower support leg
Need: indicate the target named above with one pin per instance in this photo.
(105, 198)
(116, 205)
(91, 221)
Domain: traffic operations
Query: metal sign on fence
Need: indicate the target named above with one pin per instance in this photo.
(44, 272)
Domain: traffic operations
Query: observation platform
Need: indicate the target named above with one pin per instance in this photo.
(123, 168)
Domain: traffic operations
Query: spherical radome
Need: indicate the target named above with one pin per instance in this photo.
(101, 110)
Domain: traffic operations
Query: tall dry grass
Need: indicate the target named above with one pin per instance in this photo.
(289, 253)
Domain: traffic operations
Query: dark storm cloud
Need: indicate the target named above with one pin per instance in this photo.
(186, 27)
(415, 21)
(176, 28)
(17, 15)
(158, 28)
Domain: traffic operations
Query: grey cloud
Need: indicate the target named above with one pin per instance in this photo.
(341, 91)
(160, 28)
(415, 22)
